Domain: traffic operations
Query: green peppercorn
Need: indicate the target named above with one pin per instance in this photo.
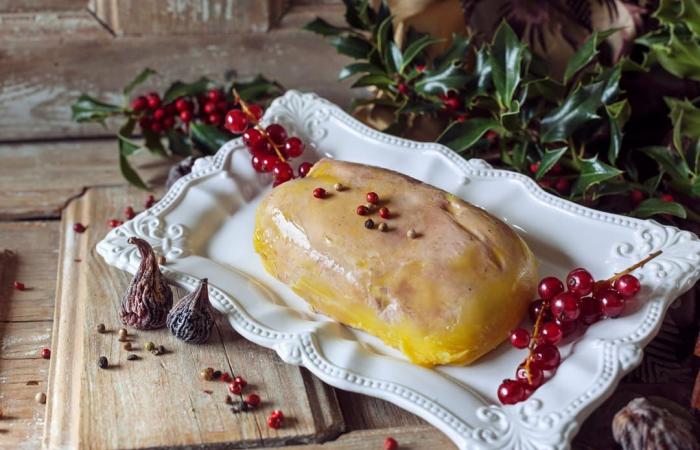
(102, 363)
(149, 346)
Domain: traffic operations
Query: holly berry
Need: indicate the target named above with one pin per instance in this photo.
(403, 89)
(372, 197)
(320, 193)
(182, 104)
(304, 169)
(236, 121)
(511, 392)
(551, 333)
(519, 338)
(580, 282)
(210, 107)
(611, 303)
(535, 379)
(362, 210)
(451, 103)
(214, 119)
(384, 213)
(562, 185)
(636, 196)
(45, 353)
(667, 198)
(214, 95)
(590, 310)
(186, 116)
(627, 285)
(139, 103)
(168, 122)
(277, 133)
(253, 400)
(534, 166)
(79, 227)
(282, 172)
(549, 287)
(565, 306)
(159, 114)
(19, 285)
(294, 147)
(153, 100)
(546, 356)
(390, 444)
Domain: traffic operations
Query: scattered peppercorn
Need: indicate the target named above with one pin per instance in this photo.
(114, 223)
(101, 328)
(320, 193)
(216, 375)
(411, 234)
(150, 200)
(239, 380)
(102, 363)
(372, 197)
(244, 406)
(46, 353)
(236, 408)
(384, 213)
(382, 226)
(122, 333)
(228, 400)
(129, 212)
(253, 400)
(338, 187)
(160, 350)
(1, 414)
(132, 357)
(127, 346)
(369, 224)
(235, 389)
(149, 346)
(207, 374)
(19, 286)
(79, 227)
(275, 419)
(390, 444)
(40, 398)
(226, 377)
(362, 210)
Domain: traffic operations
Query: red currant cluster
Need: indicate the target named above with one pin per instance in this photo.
(158, 117)
(270, 147)
(556, 314)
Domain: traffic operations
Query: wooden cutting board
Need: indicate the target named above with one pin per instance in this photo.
(158, 401)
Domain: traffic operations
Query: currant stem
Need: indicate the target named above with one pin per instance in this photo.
(533, 340)
(634, 267)
(246, 111)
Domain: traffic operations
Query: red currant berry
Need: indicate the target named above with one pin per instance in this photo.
(549, 287)
(611, 303)
(186, 116)
(519, 338)
(214, 95)
(153, 100)
(627, 285)
(252, 137)
(511, 392)
(257, 162)
(129, 212)
(384, 213)
(277, 133)
(255, 111)
(19, 285)
(46, 353)
(269, 162)
(590, 310)
(182, 104)
(239, 380)
(403, 89)
(168, 122)
(372, 197)
(150, 200)
(534, 166)
(390, 444)
(535, 308)
(304, 169)
(580, 282)
(567, 326)
(253, 400)
(319, 193)
(601, 286)
(551, 333)
(159, 114)
(362, 210)
(236, 121)
(562, 185)
(546, 356)
(139, 103)
(235, 389)
(214, 119)
(636, 196)
(667, 198)
(274, 423)
(535, 379)
(565, 306)
(294, 147)
(79, 227)
(210, 107)
(283, 172)
(451, 103)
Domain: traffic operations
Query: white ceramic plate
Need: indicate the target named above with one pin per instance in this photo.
(203, 227)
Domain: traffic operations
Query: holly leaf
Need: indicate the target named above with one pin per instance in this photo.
(549, 159)
(353, 14)
(140, 78)
(455, 52)
(653, 206)
(385, 36)
(153, 143)
(414, 49)
(178, 143)
(685, 115)
(89, 109)
(615, 139)
(180, 89)
(257, 89)
(586, 53)
(356, 68)
(592, 173)
(461, 135)
(669, 161)
(128, 172)
(126, 149)
(506, 59)
(208, 137)
(373, 80)
(441, 81)
(352, 46)
(396, 55)
(320, 26)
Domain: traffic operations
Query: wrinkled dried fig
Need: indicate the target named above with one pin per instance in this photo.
(191, 320)
(148, 299)
(642, 426)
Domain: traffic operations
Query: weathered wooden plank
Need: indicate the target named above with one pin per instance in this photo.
(367, 413)
(37, 179)
(16, 29)
(41, 5)
(414, 438)
(84, 400)
(41, 78)
(24, 340)
(36, 247)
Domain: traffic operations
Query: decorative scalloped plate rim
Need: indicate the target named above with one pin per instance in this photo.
(480, 424)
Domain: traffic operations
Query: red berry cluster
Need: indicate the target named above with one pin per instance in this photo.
(270, 147)
(556, 314)
(555, 179)
(158, 117)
